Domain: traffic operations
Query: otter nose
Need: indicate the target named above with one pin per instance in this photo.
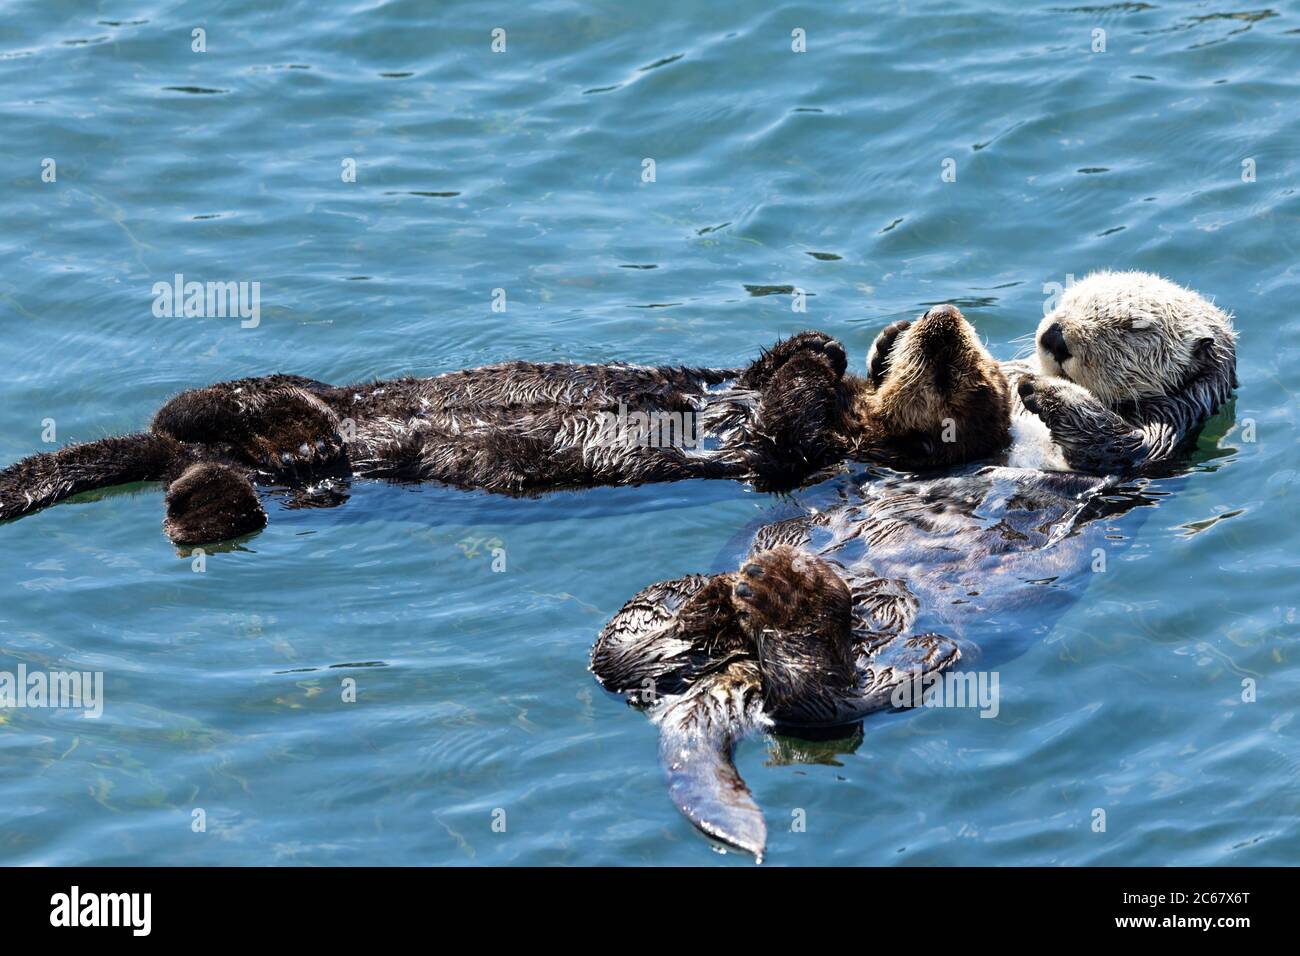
(1053, 340)
(944, 311)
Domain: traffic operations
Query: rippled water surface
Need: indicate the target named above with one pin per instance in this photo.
(523, 171)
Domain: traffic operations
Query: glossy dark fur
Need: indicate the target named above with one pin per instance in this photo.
(970, 549)
(523, 427)
(787, 638)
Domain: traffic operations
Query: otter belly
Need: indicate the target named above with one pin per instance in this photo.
(1032, 446)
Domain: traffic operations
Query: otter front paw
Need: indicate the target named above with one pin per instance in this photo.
(797, 428)
(878, 359)
(1091, 437)
(1059, 402)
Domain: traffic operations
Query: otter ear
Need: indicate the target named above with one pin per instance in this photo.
(1202, 347)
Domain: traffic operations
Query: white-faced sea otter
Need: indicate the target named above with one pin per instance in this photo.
(524, 427)
(817, 625)
(1127, 365)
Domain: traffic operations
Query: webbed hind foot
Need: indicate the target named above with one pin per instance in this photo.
(211, 502)
(764, 369)
(798, 610)
(274, 424)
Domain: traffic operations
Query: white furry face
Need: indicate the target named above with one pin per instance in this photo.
(1128, 335)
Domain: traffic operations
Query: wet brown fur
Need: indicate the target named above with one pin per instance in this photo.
(932, 397)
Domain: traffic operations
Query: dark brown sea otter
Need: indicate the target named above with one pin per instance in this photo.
(786, 639)
(932, 397)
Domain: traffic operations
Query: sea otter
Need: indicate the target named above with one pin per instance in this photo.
(1127, 365)
(787, 639)
(815, 627)
(523, 427)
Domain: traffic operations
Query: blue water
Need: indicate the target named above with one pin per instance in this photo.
(523, 171)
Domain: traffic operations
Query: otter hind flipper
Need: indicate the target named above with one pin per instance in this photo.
(280, 425)
(697, 734)
(210, 502)
(671, 647)
(761, 371)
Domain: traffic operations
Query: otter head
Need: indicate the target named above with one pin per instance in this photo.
(1125, 336)
(937, 397)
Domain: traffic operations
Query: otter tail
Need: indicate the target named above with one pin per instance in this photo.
(41, 480)
(699, 730)
(697, 733)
